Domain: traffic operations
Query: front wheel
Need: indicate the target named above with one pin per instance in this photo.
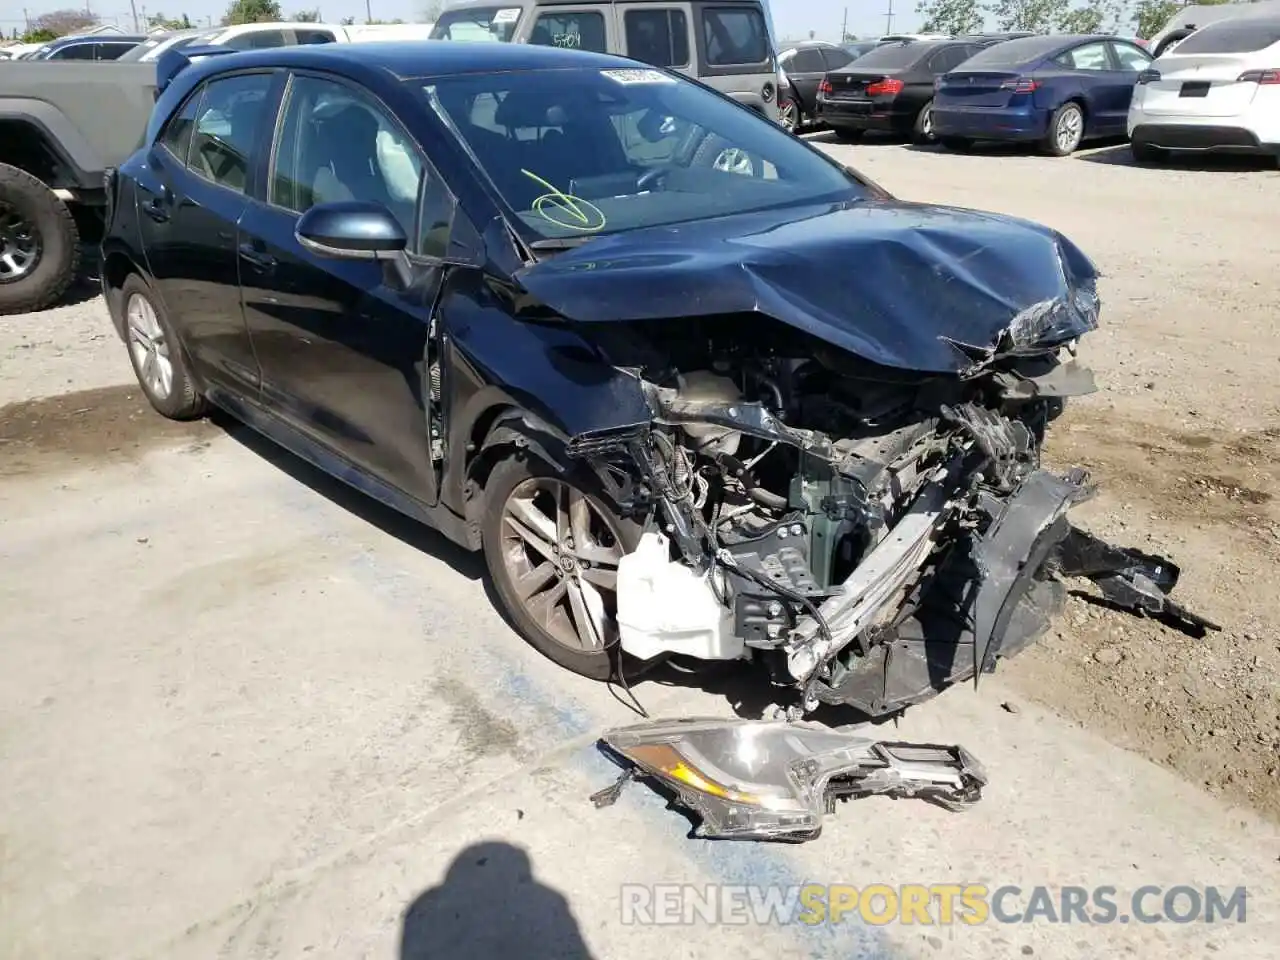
(552, 543)
(1066, 130)
(158, 359)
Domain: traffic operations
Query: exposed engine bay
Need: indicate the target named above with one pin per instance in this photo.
(871, 535)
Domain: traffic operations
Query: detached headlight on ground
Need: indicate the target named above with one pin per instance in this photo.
(775, 780)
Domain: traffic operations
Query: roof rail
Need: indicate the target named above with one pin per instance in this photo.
(173, 62)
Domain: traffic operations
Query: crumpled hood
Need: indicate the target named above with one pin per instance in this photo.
(900, 284)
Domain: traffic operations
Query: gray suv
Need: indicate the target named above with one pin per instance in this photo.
(726, 44)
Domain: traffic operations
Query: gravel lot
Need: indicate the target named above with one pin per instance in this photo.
(244, 713)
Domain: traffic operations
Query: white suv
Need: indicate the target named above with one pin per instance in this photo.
(1219, 89)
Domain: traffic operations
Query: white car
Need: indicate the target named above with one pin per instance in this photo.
(255, 36)
(1219, 89)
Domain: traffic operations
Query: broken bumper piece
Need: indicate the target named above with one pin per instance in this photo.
(774, 780)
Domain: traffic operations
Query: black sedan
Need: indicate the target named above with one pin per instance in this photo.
(805, 65)
(890, 89)
(579, 314)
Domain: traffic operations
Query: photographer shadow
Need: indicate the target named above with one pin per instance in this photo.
(490, 906)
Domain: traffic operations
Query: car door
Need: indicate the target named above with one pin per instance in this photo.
(343, 346)
(656, 33)
(1129, 60)
(191, 196)
(1106, 98)
(805, 72)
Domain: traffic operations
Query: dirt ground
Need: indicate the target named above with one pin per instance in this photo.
(1183, 437)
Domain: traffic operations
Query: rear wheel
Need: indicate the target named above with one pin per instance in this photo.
(958, 144)
(789, 116)
(552, 543)
(922, 131)
(1066, 130)
(39, 245)
(1146, 153)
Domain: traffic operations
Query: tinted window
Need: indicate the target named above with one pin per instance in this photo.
(809, 61)
(113, 51)
(76, 51)
(312, 36)
(1013, 53)
(566, 150)
(1092, 56)
(176, 137)
(477, 24)
(952, 57)
(734, 35)
(435, 218)
(1237, 36)
(257, 40)
(835, 59)
(575, 30)
(227, 127)
(660, 37)
(337, 144)
(891, 55)
(1131, 58)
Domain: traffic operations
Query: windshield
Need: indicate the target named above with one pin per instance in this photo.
(478, 24)
(1012, 53)
(1236, 36)
(582, 152)
(896, 54)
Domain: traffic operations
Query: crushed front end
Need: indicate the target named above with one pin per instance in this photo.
(871, 535)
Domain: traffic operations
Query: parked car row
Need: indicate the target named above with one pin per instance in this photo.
(1216, 90)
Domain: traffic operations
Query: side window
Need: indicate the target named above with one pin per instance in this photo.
(226, 128)
(572, 30)
(786, 60)
(257, 40)
(836, 59)
(435, 220)
(77, 51)
(113, 51)
(1131, 58)
(1092, 56)
(660, 37)
(313, 36)
(809, 61)
(339, 144)
(176, 137)
(734, 35)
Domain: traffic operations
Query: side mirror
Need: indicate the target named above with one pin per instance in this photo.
(351, 230)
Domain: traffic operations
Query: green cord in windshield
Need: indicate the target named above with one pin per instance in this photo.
(564, 210)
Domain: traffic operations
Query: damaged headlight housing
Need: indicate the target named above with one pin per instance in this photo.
(1058, 320)
(775, 780)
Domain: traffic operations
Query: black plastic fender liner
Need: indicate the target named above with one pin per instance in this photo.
(1024, 535)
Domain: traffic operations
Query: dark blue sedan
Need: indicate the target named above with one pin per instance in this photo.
(1055, 91)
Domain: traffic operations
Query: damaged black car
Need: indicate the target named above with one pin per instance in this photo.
(694, 388)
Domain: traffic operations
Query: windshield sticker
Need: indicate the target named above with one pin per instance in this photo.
(510, 15)
(637, 76)
(566, 211)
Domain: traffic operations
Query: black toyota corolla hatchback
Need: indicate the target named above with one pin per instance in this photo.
(692, 386)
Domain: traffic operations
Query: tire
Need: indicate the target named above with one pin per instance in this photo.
(789, 117)
(922, 129)
(149, 337)
(552, 629)
(1058, 142)
(848, 134)
(1146, 153)
(957, 144)
(38, 233)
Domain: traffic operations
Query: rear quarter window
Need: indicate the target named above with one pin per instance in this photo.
(734, 36)
(1239, 36)
(1013, 53)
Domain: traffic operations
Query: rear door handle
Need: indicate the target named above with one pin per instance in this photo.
(258, 258)
(157, 209)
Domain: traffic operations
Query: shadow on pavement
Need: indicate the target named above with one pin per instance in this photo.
(1120, 155)
(491, 907)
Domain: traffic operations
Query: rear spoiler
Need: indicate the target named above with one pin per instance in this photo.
(173, 62)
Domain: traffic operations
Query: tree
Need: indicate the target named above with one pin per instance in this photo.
(307, 16)
(252, 11)
(1096, 16)
(169, 23)
(1038, 16)
(347, 21)
(431, 11)
(954, 17)
(1150, 16)
(43, 35)
(62, 22)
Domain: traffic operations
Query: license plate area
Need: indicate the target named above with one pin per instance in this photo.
(1194, 88)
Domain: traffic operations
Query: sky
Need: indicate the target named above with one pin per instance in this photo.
(793, 19)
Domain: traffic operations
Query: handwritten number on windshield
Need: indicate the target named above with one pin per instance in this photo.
(564, 210)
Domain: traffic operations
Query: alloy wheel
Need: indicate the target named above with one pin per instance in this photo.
(1070, 129)
(150, 347)
(789, 115)
(560, 553)
(926, 123)
(19, 245)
